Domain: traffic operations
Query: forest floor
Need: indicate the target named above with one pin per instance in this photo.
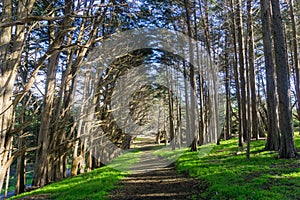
(156, 172)
(154, 177)
(164, 184)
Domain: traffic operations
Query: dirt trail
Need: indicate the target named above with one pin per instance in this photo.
(151, 178)
(155, 178)
(164, 184)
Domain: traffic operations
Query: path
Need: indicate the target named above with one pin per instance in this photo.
(151, 178)
(155, 178)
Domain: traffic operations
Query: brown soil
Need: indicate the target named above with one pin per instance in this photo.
(37, 197)
(164, 184)
(155, 178)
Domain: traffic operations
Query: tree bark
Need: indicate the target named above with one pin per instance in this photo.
(236, 73)
(287, 146)
(46, 139)
(254, 119)
(193, 90)
(171, 107)
(296, 60)
(227, 130)
(241, 47)
(273, 137)
(187, 106)
(10, 55)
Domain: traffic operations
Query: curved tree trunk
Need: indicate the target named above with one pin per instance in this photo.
(10, 55)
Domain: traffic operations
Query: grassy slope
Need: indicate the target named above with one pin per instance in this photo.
(226, 174)
(92, 185)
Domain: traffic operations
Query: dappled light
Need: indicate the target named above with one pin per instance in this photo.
(143, 99)
(158, 184)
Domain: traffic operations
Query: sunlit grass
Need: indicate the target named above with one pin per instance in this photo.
(92, 185)
(225, 173)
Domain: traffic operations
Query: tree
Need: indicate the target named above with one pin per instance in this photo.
(228, 129)
(51, 40)
(236, 72)
(273, 137)
(243, 86)
(251, 55)
(287, 148)
(296, 61)
(11, 46)
(193, 89)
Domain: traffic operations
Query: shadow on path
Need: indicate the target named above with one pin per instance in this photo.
(164, 184)
(155, 178)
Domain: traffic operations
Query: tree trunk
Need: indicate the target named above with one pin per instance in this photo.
(158, 134)
(179, 132)
(169, 80)
(227, 130)
(241, 47)
(21, 175)
(42, 155)
(236, 74)
(273, 137)
(187, 106)
(287, 147)
(41, 173)
(254, 119)
(295, 55)
(10, 51)
(8, 171)
(193, 90)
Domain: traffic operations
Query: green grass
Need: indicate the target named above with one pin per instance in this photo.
(92, 185)
(138, 139)
(225, 173)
